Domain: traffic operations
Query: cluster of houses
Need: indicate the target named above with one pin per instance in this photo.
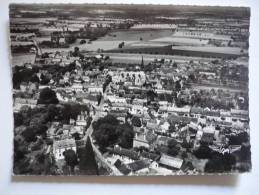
(170, 100)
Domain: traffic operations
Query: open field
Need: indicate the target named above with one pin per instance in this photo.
(135, 35)
(112, 40)
(136, 58)
(21, 59)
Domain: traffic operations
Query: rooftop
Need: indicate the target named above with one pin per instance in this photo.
(171, 161)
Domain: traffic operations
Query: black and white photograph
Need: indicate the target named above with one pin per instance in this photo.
(129, 90)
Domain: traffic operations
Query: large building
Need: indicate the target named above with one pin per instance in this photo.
(61, 146)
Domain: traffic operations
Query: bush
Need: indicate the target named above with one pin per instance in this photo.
(136, 121)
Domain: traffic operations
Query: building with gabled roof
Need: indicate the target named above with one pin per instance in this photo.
(170, 162)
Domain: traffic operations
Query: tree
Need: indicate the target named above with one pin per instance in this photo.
(53, 112)
(76, 136)
(87, 163)
(204, 152)
(18, 152)
(245, 153)
(220, 163)
(105, 135)
(72, 110)
(107, 82)
(41, 129)
(173, 149)
(47, 96)
(29, 134)
(171, 143)
(192, 77)
(71, 159)
(99, 98)
(239, 139)
(136, 121)
(44, 80)
(125, 135)
(186, 145)
(109, 119)
(177, 85)
(18, 119)
(151, 95)
(108, 131)
(35, 79)
(171, 128)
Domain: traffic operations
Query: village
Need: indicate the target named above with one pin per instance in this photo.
(170, 105)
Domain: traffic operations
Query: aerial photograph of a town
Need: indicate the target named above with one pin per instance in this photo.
(124, 90)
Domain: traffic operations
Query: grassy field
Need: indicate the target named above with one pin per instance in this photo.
(20, 59)
(136, 58)
(112, 40)
(135, 35)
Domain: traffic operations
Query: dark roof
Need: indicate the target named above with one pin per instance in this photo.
(182, 119)
(138, 165)
(196, 110)
(150, 155)
(125, 152)
(122, 167)
(118, 113)
(187, 166)
(212, 113)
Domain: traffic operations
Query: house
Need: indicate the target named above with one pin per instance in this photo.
(52, 130)
(77, 87)
(81, 119)
(225, 116)
(138, 77)
(116, 99)
(28, 87)
(239, 114)
(122, 167)
(212, 114)
(119, 114)
(91, 99)
(77, 129)
(162, 141)
(20, 102)
(152, 125)
(138, 109)
(140, 141)
(138, 101)
(164, 126)
(138, 166)
(120, 107)
(170, 162)
(180, 111)
(196, 112)
(151, 156)
(95, 89)
(23, 86)
(60, 146)
(117, 150)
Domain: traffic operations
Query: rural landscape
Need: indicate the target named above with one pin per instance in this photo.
(103, 89)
